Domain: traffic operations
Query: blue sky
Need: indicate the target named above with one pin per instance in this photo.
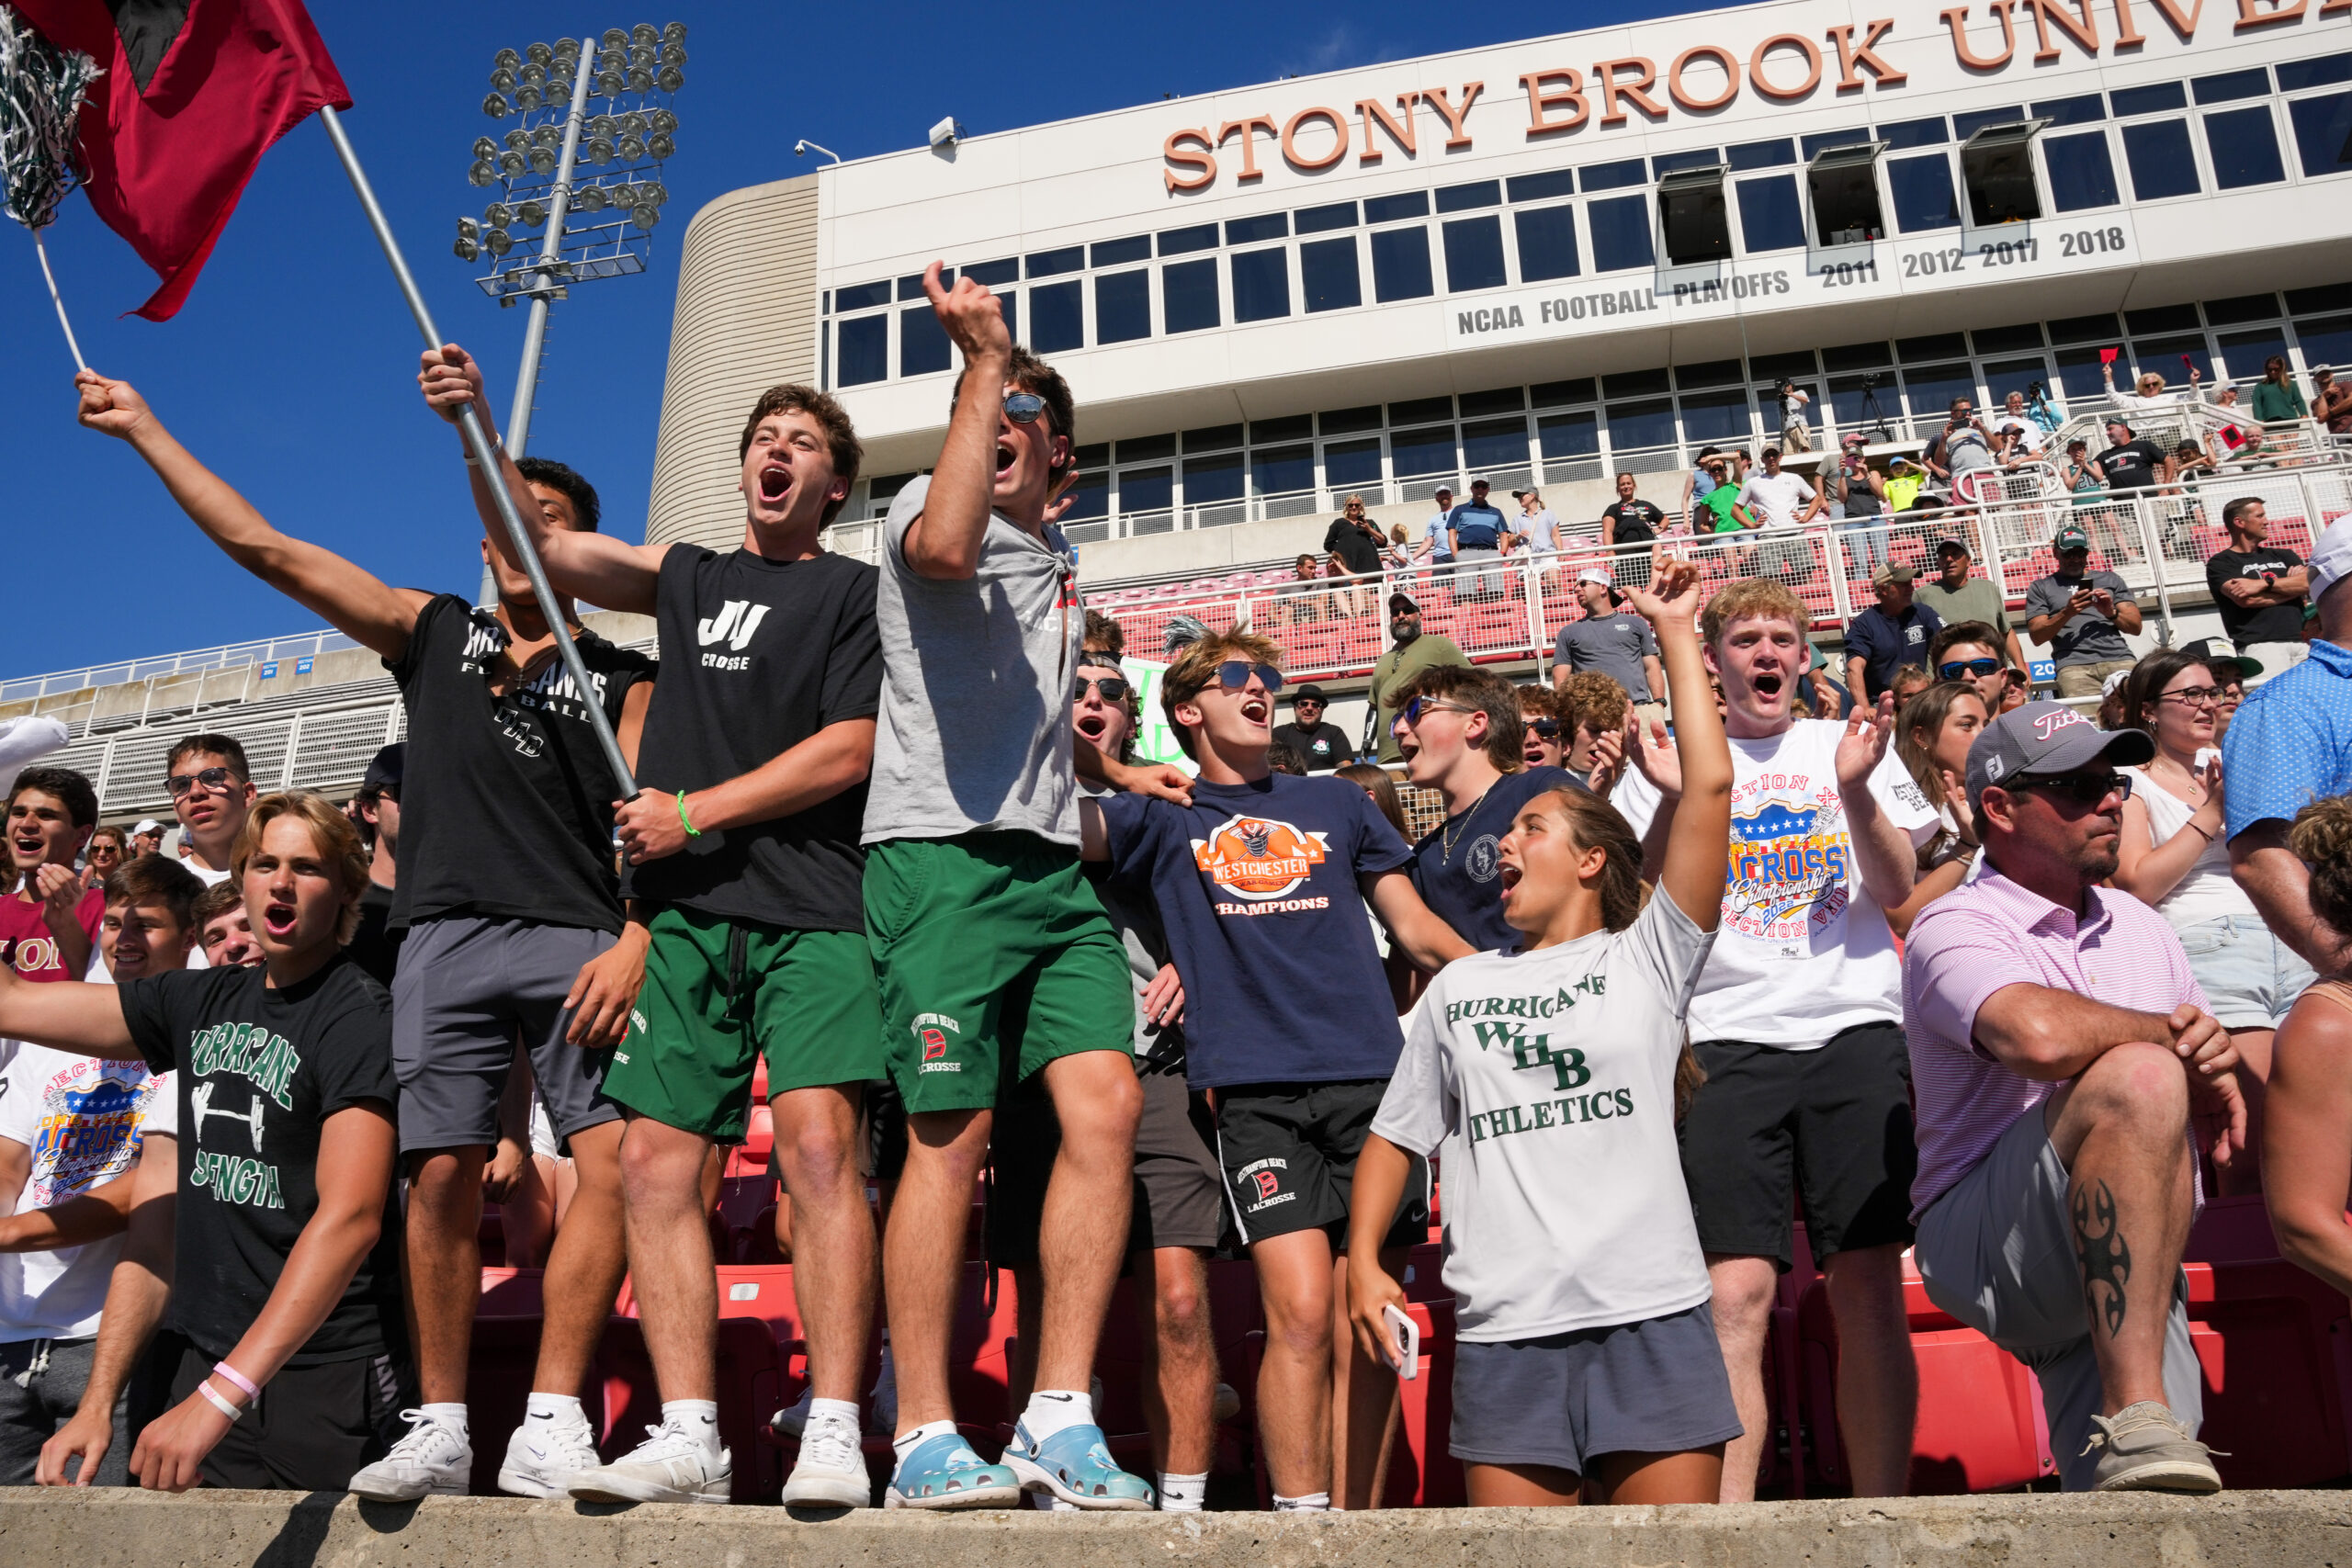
(290, 371)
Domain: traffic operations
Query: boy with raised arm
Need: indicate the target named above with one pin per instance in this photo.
(512, 909)
(744, 845)
(48, 924)
(285, 1213)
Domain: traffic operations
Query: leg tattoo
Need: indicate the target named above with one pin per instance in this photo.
(2106, 1257)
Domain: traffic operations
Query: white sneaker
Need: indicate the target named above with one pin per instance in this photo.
(430, 1460)
(793, 1419)
(670, 1466)
(543, 1462)
(831, 1472)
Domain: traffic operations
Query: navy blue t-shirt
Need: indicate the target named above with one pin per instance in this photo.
(1257, 889)
(1457, 867)
(1887, 643)
(1476, 527)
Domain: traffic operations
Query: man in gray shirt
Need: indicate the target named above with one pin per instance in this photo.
(995, 960)
(1619, 646)
(2082, 615)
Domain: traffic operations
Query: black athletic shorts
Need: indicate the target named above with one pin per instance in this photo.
(882, 1131)
(1177, 1192)
(1288, 1151)
(312, 1429)
(1831, 1126)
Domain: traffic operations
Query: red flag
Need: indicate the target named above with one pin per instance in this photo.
(195, 92)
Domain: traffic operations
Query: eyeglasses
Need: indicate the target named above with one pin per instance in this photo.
(2082, 789)
(1112, 688)
(1957, 667)
(1022, 408)
(1543, 728)
(216, 779)
(1234, 674)
(1414, 708)
(2195, 696)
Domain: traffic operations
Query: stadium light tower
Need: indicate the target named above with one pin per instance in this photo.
(611, 105)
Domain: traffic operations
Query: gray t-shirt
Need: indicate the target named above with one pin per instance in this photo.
(2089, 637)
(1614, 645)
(975, 730)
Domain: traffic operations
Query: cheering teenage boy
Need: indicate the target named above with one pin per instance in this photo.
(744, 845)
(1260, 882)
(507, 893)
(48, 924)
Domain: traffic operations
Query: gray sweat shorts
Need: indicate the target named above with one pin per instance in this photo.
(466, 990)
(1997, 1252)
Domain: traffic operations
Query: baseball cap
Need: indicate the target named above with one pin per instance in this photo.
(1899, 461)
(1600, 576)
(1310, 692)
(2204, 648)
(2330, 559)
(1953, 542)
(2115, 679)
(1477, 479)
(146, 825)
(1892, 571)
(2070, 537)
(2041, 740)
(1398, 604)
(385, 769)
(1853, 438)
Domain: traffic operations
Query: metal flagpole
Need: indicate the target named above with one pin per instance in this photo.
(478, 443)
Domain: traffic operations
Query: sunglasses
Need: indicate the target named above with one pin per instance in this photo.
(2082, 789)
(1307, 702)
(1543, 728)
(1415, 708)
(1955, 669)
(216, 779)
(1022, 408)
(1112, 689)
(1234, 675)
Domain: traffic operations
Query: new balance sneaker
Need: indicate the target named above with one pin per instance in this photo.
(943, 1472)
(830, 1471)
(2148, 1449)
(430, 1460)
(670, 1466)
(1074, 1467)
(543, 1461)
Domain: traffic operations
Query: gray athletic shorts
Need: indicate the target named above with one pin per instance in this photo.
(466, 989)
(1997, 1252)
(1655, 1386)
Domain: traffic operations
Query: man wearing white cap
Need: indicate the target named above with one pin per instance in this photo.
(147, 839)
(2290, 744)
(1476, 528)
(1619, 646)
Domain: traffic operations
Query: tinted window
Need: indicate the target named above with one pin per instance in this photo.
(1715, 417)
(1210, 480)
(1147, 489)
(1616, 176)
(2294, 75)
(1620, 232)
(1323, 220)
(2079, 372)
(1547, 242)
(1289, 427)
(1122, 307)
(2244, 353)
(1348, 463)
(1923, 193)
(2089, 109)
(1090, 496)
(1341, 422)
(1400, 264)
(2160, 159)
(1279, 471)
(1916, 133)
(1421, 410)
(1261, 284)
(1633, 383)
(864, 297)
(1829, 139)
(1579, 391)
(2082, 170)
(1250, 231)
(865, 350)
(1057, 317)
(1495, 443)
(1633, 425)
(1474, 253)
(1463, 199)
(1932, 390)
(2231, 85)
(2244, 144)
(1964, 126)
(1327, 271)
(995, 272)
(1050, 264)
(1544, 187)
(1422, 451)
(2322, 132)
(2326, 342)
(1184, 241)
(1574, 435)
(922, 343)
(1765, 154)
(2013, 376)
(1392, 209)
(1188, 296)
(1119, 252)
(1770, 217)
(2148, 100)
(2164, 355)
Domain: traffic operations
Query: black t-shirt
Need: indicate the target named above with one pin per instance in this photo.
(2131, 466)
(508, 800)
(1457, 870)
(260, 1071)
(375, 945)
(1358, 550)
(765, 653)
(1324, 745)
(2265, 622)
(1637, 521)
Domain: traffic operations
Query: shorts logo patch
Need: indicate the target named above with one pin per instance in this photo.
(1261, 1176)
(1254, 858)
(934, 1044)
(931, 1029)
(637, 1020)
(1268, 1183)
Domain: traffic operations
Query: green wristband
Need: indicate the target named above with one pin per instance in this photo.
(691, 831)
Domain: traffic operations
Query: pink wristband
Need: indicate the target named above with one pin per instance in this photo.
(230, 1375)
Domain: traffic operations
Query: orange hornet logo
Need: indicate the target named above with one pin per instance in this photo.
(1252, 858)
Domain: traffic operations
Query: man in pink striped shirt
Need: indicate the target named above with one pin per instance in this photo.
(2060, 1048)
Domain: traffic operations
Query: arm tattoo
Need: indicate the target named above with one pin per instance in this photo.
(2105, 1257)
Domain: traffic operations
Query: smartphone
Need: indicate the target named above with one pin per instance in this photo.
(1409, 1335)
(2206, 757)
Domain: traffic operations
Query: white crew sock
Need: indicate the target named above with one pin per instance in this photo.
(903, 1446)
(1050, 1410)
(1183, 1493)
(1313, 1503)
(450, 1416)
(697, 1418)
(548, 1412)
(843, 1411)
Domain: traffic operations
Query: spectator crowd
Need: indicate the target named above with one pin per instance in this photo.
(1713, 932)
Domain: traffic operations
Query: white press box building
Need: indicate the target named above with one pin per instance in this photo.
(1556, 260)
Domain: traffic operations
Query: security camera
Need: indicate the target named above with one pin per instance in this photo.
(801, 149)
(945, 133)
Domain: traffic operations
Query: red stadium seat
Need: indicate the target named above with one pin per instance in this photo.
(1422, 1474)
(750, 1388)
(2275, 1345)
(501, 1362)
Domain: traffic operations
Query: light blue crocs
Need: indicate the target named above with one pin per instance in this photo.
(943, 1472)
(1073, 1466)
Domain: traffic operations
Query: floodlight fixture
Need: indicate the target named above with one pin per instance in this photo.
(659, 146)
(599, 150)
(673, 54)
(484, 173)
(669, 78)
(631, 148)
(503, 80)
(644, 215)
(611, 81)
(528, 97)
(485, 148)
(505, 59)
(494, 106)
(513, 165)
(613, 38)
(588, 198)
(498, 215)
(539, 54)
(535, 74)
(663, 120)
(543, 160)
(532, 214)
(641, 80)
(644, 32)
(673, 32)
(498, 242)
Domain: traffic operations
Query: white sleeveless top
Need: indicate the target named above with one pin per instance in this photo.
(2207, 892)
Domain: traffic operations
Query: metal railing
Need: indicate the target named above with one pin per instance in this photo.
(123, 672)
(324, 748)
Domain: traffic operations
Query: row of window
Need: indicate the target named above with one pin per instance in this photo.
(1382, 250)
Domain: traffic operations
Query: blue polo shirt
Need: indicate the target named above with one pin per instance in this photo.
(1887, 643)
(2290, 742)
(1476, 527)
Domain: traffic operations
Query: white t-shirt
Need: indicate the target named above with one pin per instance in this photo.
(2207, 892)
(1803, 951)
(82, 1118)
(1544, 1084)
(1775, 498)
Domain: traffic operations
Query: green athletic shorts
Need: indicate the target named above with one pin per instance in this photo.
(718, 993)
(994, 957)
